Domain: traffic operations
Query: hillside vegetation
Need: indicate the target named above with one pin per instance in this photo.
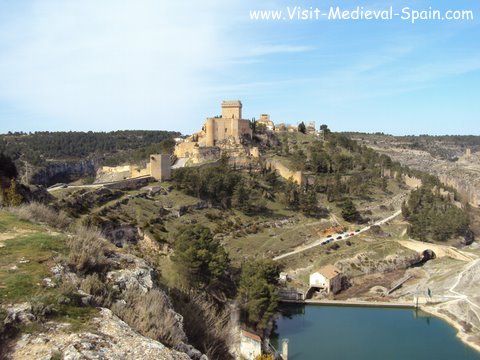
(36, 148)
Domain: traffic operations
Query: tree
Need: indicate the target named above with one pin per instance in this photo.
(257, 291)
(433, 217)
(7, 167)
(199, 257)
(324, 130)
(240, 197)
(349, 211)
(291, 194)
(302, 128)
(308, 202)
(11, 197)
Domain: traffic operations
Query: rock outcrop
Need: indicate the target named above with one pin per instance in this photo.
(63, 172)
(109, 338)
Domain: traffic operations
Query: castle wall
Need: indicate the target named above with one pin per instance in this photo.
(115, 169)
(220, 129)
(186, 149)
(136, 171)
(286, 173)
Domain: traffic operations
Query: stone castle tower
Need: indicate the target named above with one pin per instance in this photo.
(160, 167)
(231, 109)
(230, 125)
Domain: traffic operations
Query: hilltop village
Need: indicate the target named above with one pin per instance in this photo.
(188, 247)
(227, 134)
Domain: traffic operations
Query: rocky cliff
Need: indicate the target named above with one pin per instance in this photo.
(59, 172)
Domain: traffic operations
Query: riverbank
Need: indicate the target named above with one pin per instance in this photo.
(466, 338)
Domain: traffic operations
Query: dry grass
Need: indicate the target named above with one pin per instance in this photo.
(93, 285)
(206, 324)
(87, 250)
(151, 315)
(39, 213)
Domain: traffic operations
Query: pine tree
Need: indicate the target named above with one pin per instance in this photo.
(302, 128)
(12, 197)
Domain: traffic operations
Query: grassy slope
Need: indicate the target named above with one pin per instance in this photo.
(26, 257)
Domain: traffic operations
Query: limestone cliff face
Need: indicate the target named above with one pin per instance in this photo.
(63, 172)
(462, 175)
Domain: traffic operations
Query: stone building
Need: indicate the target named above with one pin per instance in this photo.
(160, 167)
(328, 278)
(250, 345)
(266, 121)
(310, 127)
(229, 127)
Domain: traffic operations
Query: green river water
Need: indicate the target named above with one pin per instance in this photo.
(330, 332)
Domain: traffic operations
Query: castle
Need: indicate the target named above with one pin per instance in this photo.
(227, 129)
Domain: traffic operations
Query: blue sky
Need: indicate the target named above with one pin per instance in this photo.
(156, 64)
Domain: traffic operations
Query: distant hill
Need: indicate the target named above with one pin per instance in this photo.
(36, 148)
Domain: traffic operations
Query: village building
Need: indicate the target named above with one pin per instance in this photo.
(310, 127)
(292, 128)
(328, 278)
(280, 127)
(266, 122)
(250, 345)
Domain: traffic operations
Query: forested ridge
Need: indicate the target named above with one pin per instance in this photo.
(36, 148)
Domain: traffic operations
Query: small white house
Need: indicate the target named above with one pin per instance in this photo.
(328, 278)
(283, 277)
(250, 345)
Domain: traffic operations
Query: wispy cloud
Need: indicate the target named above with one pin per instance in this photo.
(109, 64)
(260, 50)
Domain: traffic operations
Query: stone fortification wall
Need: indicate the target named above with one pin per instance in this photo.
(285, 172)
(465, 190)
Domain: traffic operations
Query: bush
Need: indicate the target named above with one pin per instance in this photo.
(39, 213)
(94, 286)
(87, 250)
(151, 315)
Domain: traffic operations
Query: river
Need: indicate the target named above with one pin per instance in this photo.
(341, 332)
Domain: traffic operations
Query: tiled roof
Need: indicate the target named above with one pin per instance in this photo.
(329, 271)
(251, 335)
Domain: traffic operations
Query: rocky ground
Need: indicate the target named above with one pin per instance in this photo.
(111, 339)
(453, 284)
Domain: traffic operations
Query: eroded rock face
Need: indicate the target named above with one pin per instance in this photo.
(120, 235)
(63, 172)
(135, 273)
(111, 339)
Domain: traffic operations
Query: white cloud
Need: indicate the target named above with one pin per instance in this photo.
(109, 64)
(120, 64)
